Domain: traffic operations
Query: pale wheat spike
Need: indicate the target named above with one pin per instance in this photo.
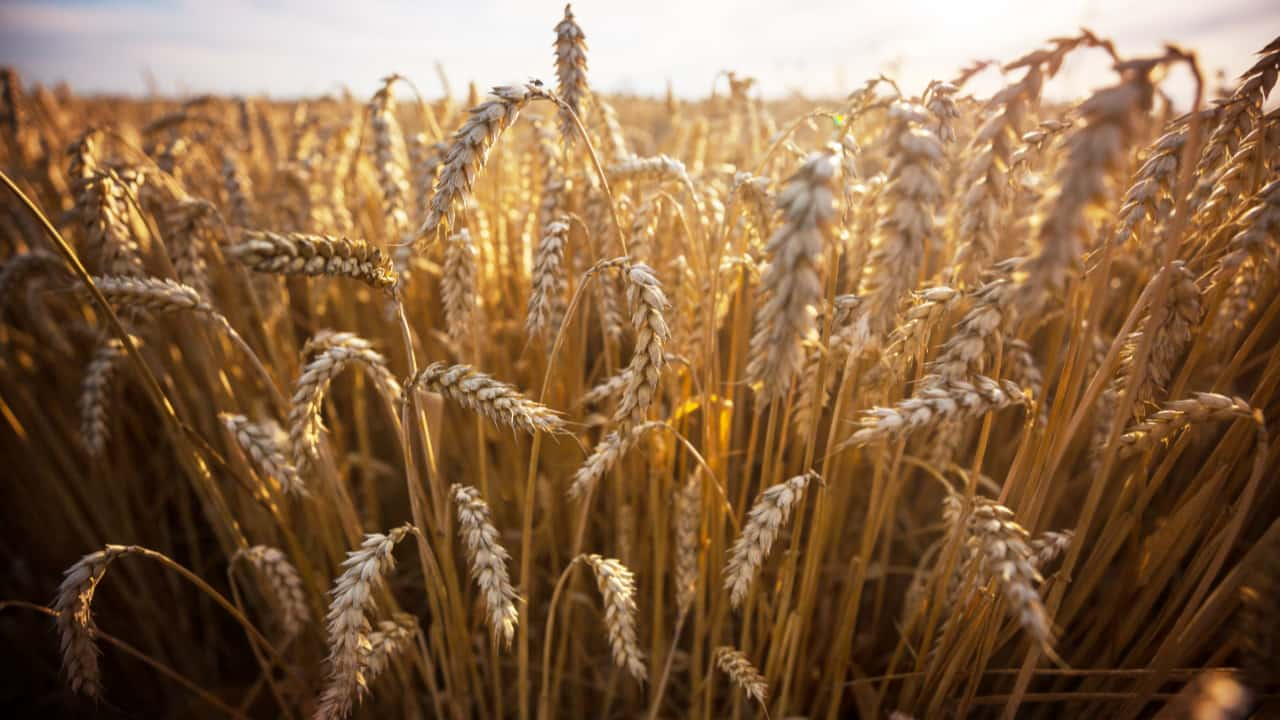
(488, 561)
(608, 130)
(736, 665)
(363, 574)
(390, 160)
(391, 638)
(644, 293)
(1002, 545)
(1094, 149)
(649, 169)
(766, 518)
(313, 255)
(333, 353)
(1170, 329)
(458, 286)
(910, 339)
(1235, 117)
(478, 392)
(687, 527)
(1049, 546)
(73, 605)
(150, 293)
(1178, 414)
(605, 455)
(793, 280)
(551, 200)
(468, 150)
(571, 72)
(757, 197)
(284, 584)
(618, 590)
(938, 403)
(938, 100)
(104, 208)
(425, 159)
(546, 299)
(1236, 180)
(266, 446)
(909, 199)
(93, 394)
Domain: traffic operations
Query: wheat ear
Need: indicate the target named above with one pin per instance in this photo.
(1178, 414)
(266, 446)
(488, 561)
(644, 293)
(618, 590)
(348, 625)
(735, 664)
(546, 299)
(284, 584)
(93, 394)
(496, 400)
(313, 255)
(939, 402)
(571, 72)
(75, 619)
(766, 518)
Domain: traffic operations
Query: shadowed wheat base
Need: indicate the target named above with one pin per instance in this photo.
(923, 402)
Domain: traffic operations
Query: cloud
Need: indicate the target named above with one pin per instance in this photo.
(290, 47)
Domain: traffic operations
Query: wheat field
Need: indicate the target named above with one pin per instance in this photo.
(911, 403)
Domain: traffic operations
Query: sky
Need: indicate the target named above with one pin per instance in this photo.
(290, 48)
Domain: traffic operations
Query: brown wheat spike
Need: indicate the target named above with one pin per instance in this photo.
(498, 401)
(735, 664)
(618, 590)
(910, 339)
(488, 561)
(1240, 177)
(313, 255)
(93, 394)
(470, 147)
(758, 198)
(1257, 237)
(266, 446)
(75, 619)
(644, 293)
(1150, 194)
(458, 286)
(1178, 414)
(687, 527)
(571, 72)
(905, 226)
(283, 583)
(390, 159)
(547, 297)
(104, 208)
(1170, 328)
(364, 572)
(391, 638)
(938, 403)
(785, 320)
(609, 130)
(186, 225)
(1006, 556)
(766, 518)
(1235, 118)
(239, 191)
(19, 268)
(333, 353)
(992, 312)
(605, 455)
(1093, 149)
(151, 293)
